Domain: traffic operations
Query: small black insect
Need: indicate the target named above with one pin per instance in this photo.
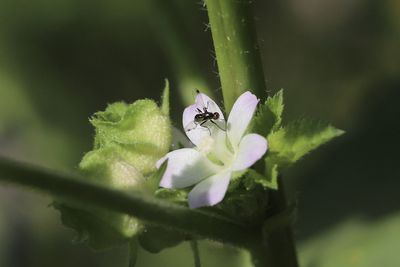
(203, 117)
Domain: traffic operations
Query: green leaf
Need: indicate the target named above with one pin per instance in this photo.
(289, 144)
(165, 99)
(269, 115)
(268, 181)
(156, 238)
(286, 144)
(90, 229)
(178, 196)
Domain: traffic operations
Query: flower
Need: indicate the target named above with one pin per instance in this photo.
(220, 150)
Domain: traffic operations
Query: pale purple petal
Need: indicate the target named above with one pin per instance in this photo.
(210, 191)
(185, 167)
(188, 115)
(251, 148)
(240, 116)
(193, 130)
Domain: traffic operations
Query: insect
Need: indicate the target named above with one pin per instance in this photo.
(203, 117)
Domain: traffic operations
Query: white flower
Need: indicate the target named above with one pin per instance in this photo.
(220, 149)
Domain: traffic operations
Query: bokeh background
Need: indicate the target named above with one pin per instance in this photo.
(338, 60)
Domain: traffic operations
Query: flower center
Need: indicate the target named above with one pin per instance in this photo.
(206, 145)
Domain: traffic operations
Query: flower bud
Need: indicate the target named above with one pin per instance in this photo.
(129, 139)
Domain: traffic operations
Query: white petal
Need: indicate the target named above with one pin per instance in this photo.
(240, 116)
(193, 130)
(188, 115)
(220, 149)
(185, 167)
(251, 148)
(210, 191)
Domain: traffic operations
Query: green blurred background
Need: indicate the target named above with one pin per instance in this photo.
(338, 60)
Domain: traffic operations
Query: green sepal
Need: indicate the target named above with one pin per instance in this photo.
(165, 99)
(154, 179)
(246, 204)
(177, 196)
(269, 115)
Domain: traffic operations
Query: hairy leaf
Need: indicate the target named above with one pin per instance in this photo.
(269, 181)
(289, 144)
(269, 115)
(129, 140)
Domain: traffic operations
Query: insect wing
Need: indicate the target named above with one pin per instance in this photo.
(200, 101)
(220, 123)
(190, 126)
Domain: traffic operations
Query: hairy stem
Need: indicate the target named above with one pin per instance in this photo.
(278, 239)
(240, 69)
(147, 208)
(236, 48)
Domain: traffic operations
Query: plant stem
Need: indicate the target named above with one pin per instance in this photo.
(279, 240)
(196, 255)
(192, 221)
(240, 69)
(236, 48)
(260, 256)
(133, 250)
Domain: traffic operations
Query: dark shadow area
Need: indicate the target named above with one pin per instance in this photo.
(359, 173)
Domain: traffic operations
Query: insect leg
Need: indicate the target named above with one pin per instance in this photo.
(201, 124)
(217, 125)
